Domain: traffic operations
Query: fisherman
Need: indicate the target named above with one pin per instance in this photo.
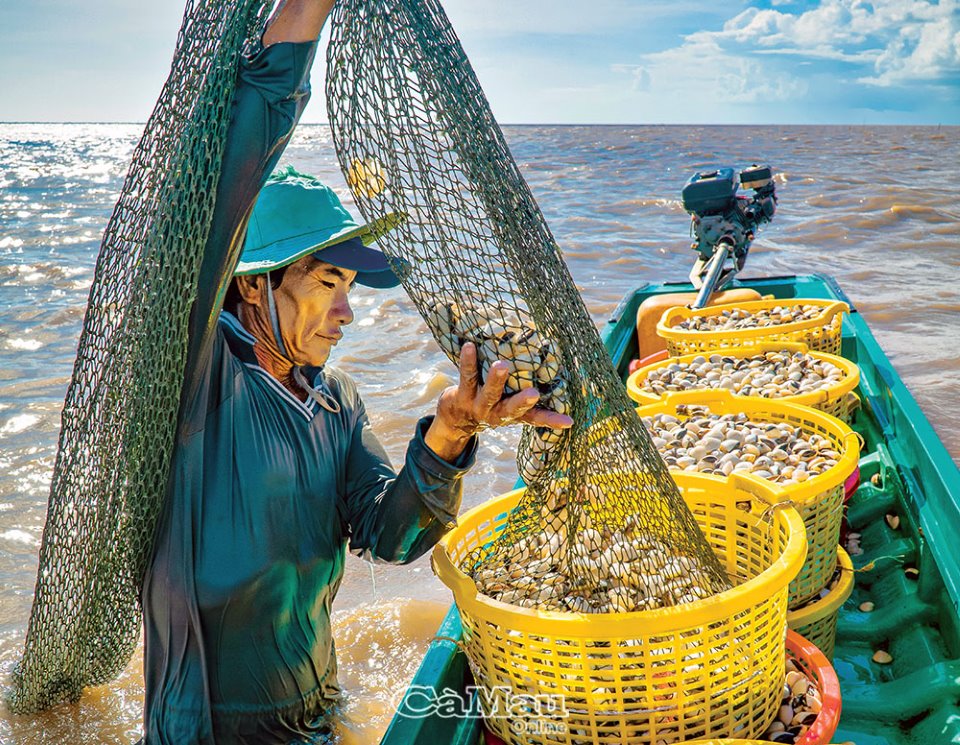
(276, 470)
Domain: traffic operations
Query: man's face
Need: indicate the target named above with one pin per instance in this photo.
(313, 306)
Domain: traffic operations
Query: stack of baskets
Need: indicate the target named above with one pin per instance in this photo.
(826, 579)
(818, 499)
(710, 668)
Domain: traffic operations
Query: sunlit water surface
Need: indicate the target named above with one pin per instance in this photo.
(876, 207)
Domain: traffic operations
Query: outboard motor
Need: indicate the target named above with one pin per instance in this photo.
(724, 223)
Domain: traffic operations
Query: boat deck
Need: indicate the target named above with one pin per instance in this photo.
(906, 471)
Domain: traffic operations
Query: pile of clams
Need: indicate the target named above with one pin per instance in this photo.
(596, 571)
(768, 375)
(799, 707)
(734, 319)
(697, 440)
(533, 359)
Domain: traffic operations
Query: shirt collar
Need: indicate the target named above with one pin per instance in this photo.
(239, 340)
(241, 343)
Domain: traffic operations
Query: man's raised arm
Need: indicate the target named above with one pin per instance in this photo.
(297, 20)
(273, 86)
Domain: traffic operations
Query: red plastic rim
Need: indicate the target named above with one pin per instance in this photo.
(815, 665)
(851, 484)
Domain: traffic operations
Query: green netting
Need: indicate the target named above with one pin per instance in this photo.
(120, 412)
(602, 525)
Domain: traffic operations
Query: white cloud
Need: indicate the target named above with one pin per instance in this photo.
(921, 51)
(702, 71)
(639, 73)
(903, 40)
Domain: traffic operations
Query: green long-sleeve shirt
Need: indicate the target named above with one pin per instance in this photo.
(266, 491)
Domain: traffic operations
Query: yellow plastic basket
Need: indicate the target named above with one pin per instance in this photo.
(727, 741)
(817, 621)
(819, 499)
(710, 668)
(835, 400)
(821, 334)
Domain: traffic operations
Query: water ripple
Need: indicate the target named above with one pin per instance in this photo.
(874, 207)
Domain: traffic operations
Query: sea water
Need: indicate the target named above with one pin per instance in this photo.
(876, 207)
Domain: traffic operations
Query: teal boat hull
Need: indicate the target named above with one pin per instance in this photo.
(905, 470)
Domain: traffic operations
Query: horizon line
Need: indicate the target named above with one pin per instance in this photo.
(549, 124)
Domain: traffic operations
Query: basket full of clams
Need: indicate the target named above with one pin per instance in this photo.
(624, 656)
(816, 619)
(816, 323)
(783, 371)
(810, 708)
(804, 454)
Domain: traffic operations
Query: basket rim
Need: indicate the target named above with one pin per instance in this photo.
(823, 607)
(725, 741)
(666, 329)
(761, 588)
(849, 381)
(728, 403)
(824, 726)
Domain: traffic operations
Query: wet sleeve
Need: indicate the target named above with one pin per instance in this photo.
(273, 87)
(398, 518)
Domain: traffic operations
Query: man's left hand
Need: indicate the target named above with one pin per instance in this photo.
(469, 407)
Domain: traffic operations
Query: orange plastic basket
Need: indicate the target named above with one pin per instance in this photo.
(817, 620)
(710, 668)
(819, 499)
(812, 662)
(838, 400)
(820, 334)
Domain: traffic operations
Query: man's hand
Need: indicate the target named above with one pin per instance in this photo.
(468, 408)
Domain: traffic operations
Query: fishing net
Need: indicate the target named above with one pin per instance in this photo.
(602, 526)
(120, 413)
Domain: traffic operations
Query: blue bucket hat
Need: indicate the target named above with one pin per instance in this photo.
(297, 215)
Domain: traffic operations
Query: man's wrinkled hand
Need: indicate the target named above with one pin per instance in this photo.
(470, 407)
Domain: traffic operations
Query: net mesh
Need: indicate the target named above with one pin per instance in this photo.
(602, 526)
(120, 412)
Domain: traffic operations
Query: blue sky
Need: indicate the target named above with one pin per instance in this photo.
(563, 61)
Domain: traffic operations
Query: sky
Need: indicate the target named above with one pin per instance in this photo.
(554, 61)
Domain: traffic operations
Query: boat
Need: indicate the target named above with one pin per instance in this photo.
(909, 569)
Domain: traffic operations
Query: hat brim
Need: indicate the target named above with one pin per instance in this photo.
(371, 265)
(283, 253)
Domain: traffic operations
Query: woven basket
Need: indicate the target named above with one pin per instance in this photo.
(709, 668)
(820, 334)
(817, 621)
(819, 499)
